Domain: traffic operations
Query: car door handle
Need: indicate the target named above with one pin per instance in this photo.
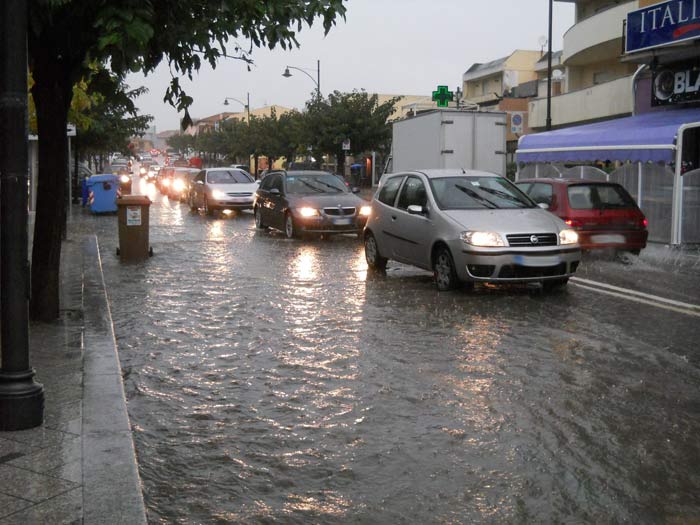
(393, 217)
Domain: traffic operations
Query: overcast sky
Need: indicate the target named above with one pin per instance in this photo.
(384, 46)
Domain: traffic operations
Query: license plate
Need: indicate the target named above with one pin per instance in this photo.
(608, 239)
(545, 260)
(342, 222)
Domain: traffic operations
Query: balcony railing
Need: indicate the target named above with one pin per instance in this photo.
(606, 100)
(585, 41)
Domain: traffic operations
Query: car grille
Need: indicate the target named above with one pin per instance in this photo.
(515, 271)
(525, 239)
(339, 211)
(233, 194)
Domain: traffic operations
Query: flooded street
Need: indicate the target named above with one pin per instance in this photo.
(276, 381)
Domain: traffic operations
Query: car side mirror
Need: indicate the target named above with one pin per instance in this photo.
(414, 209)
(274, 191)
(201, 182)
(355, 189)
(543, 205)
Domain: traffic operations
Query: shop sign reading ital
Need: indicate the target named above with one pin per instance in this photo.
(676, 84)
(662, 24)
(133, 215)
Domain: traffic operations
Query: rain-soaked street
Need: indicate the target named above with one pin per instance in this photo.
(276, 381)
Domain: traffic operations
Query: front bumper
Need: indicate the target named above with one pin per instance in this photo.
(232, 203)
(504, 265)
(329, 225)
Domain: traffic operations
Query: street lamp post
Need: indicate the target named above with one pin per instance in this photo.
(548, 123)
(316, 80)
(245, 105)
(21, 398)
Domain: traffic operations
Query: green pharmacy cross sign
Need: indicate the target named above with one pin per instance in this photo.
(443, 96)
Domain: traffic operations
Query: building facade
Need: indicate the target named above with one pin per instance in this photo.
(640, 128)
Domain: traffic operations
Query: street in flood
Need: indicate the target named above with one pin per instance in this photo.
(278, 381)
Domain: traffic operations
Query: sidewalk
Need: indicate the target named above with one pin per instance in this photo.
(80, 465)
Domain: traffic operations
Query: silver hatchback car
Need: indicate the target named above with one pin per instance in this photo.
(468, 226)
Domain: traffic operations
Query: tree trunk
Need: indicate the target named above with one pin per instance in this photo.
(340, 155)
(52, 93)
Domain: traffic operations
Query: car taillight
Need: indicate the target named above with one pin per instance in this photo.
(574, 223)
(645, 222)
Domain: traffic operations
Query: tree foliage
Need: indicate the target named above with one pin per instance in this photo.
(66, 36)
(321, 129)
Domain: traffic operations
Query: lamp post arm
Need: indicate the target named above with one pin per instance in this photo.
(306, 73)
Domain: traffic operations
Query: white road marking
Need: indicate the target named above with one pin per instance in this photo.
(639, 297)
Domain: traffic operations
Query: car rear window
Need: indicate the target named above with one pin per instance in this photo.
(599, 196)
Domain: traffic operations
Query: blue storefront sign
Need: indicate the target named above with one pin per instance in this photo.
(662, 24)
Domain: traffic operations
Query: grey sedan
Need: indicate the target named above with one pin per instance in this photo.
(468, 226)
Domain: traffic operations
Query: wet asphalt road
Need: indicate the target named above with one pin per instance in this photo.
(276, 381)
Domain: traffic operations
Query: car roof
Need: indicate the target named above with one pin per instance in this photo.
(310, 173)
(568, 182)
(442, 173)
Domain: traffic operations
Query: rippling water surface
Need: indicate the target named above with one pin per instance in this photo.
(275, 381)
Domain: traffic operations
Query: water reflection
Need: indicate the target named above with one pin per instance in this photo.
(305, 264)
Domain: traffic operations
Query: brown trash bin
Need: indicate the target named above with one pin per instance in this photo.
(132, 213)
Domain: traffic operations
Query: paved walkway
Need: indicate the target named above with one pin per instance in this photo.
(79, 466)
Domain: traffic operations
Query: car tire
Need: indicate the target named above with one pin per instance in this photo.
(374, 259)
(259, 224)
(555, 284)
(208, 210)
(289, 228)
(444, 271)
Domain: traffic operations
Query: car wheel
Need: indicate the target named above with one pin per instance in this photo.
(374, 260)
(554, 284)
(444, 271)
(259, 224)
(208, 210)
(289, 228)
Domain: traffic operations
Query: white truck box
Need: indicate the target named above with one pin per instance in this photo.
(450, 139)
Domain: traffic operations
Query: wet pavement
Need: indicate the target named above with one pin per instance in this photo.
(276, 381)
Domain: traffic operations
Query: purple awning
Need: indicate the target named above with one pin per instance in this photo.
(641, 138)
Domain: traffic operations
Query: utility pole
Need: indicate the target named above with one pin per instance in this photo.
(549, 71)
(21, 398)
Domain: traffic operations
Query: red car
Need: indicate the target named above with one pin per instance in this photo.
(603, 214)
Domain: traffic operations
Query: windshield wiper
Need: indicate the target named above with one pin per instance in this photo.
(315, 188)
(337, 190)
(476, 196)
(506, 196)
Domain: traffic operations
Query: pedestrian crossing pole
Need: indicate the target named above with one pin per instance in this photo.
(21, 398)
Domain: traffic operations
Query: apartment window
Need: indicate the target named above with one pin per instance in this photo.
(602, 76)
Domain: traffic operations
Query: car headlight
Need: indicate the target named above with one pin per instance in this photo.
(166, 182)
(568, 237)
(365, 211)
(124, 178)
(486, 239)
(178, 185)
(142, 171)
(218, 194)
(308, 212)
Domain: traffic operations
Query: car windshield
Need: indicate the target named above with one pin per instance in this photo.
(599, 196)
(228, 177)
(325, 183)
(468, 193)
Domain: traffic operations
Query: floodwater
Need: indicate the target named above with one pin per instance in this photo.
(276, 381)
